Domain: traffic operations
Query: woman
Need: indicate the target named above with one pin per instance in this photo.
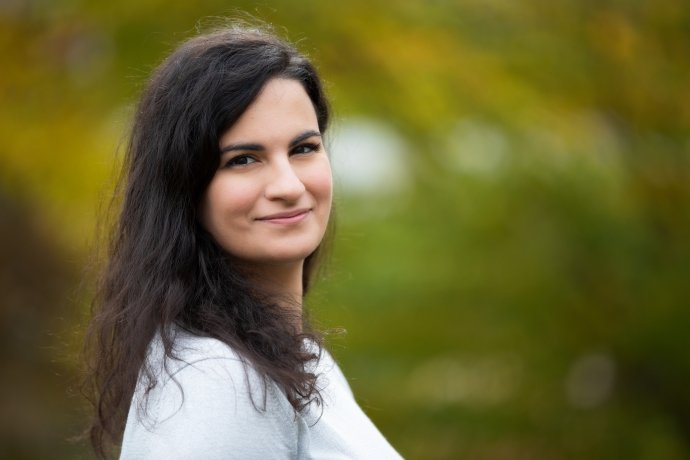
(199, 347)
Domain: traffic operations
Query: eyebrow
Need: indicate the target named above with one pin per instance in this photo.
(258, 147)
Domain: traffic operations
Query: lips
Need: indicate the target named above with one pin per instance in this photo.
(287, 216)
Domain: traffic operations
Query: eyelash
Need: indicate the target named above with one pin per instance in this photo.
(234, 161)
(310, 147)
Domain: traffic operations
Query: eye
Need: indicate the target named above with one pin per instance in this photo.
(240, 161)
(306, 148)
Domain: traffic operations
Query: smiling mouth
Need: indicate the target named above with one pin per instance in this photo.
(288, 217)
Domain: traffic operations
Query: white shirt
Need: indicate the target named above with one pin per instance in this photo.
(217, 417)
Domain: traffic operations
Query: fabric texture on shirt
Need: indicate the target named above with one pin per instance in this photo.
(210, 405)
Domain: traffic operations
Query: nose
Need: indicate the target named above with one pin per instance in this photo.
(284, 183)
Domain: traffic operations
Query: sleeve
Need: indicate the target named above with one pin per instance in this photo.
(212, 409)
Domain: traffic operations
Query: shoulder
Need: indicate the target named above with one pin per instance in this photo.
(204, 365)
(188, 347)
(193, 354)
(206, 403)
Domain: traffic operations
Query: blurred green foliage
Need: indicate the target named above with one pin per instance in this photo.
(524, 295)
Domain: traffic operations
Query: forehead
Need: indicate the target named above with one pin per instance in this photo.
(281, 110)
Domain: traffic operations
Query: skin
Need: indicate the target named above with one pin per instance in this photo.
(269, 201)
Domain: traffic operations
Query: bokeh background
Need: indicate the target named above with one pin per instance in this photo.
(512, 256)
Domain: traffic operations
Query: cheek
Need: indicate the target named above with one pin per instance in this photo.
(224, 201)
(321, 181)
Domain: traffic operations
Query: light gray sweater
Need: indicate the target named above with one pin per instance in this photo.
(217, 417)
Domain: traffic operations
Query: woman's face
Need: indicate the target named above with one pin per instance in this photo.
(270, 199)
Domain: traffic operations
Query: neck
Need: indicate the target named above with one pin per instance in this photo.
(284, 282)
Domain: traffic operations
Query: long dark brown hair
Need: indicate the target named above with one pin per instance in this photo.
(162, 268)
